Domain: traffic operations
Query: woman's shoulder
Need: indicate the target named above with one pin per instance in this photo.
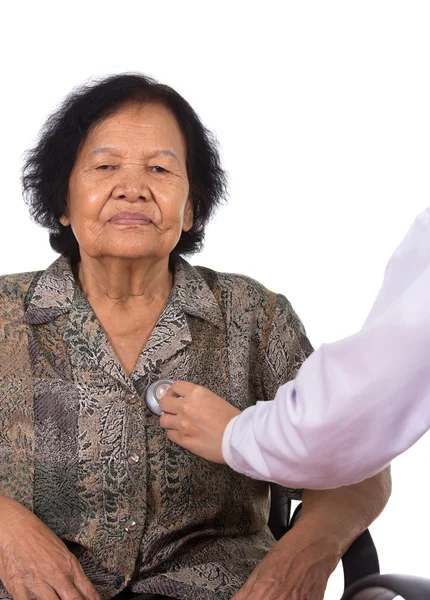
(241, 293)
(14, 291)
(235, 282)
(239, 289)
(16, 285)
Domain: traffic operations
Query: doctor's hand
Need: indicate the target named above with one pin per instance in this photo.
(196, 418)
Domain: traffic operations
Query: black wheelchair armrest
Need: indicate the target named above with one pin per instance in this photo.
(361, 558)
(280, 512)
(388, 587)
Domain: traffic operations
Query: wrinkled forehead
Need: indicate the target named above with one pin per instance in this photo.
(149, 123)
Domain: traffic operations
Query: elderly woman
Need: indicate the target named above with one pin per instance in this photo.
(96, 501)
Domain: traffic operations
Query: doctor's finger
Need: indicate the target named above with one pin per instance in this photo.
(171, 404)
(169, 421)
(181, 388)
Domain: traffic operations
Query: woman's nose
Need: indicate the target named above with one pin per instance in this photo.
(132, 186)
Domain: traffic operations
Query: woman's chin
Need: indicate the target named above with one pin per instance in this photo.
(129, 253)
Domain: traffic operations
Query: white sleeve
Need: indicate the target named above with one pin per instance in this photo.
(357, 403)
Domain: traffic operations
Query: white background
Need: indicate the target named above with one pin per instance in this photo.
(322, 112)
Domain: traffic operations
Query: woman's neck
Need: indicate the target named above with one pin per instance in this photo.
(122, 281)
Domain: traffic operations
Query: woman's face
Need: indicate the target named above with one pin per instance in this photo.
(129, 190)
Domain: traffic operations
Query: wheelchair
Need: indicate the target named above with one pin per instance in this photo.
(362, 578)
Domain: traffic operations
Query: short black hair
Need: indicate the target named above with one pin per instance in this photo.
(48, 166)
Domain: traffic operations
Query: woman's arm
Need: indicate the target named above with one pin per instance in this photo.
(347, 511)
(299, 565)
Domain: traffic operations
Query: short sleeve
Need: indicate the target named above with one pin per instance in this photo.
(286, 349)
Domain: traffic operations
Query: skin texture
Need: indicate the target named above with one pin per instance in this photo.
(34, 562)
(134, 161)
(125, 276)
(299, 565)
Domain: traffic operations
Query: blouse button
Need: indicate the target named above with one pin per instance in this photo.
(119, 582)
(133, 458)
(130, 526)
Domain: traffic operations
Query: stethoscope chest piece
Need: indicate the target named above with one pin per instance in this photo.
(154, 394)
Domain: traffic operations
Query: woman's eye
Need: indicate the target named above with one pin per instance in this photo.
(158, 169)
(105, 167)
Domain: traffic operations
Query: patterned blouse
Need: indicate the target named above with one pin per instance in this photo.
(79, 447)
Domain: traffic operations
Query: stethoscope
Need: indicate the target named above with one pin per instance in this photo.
(154, 394)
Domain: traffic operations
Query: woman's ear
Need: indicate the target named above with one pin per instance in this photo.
(64, 221)
(188, 215)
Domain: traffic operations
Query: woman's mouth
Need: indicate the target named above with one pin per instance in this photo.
(129, 218)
